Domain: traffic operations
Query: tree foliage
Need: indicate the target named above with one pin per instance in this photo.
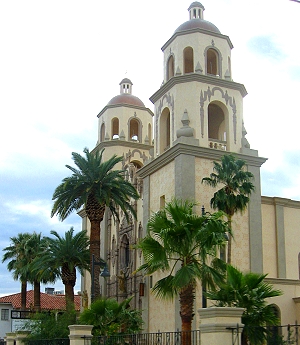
(234, 195)
(182, 244)
(94, 184)
(110, 317)
(249, 291)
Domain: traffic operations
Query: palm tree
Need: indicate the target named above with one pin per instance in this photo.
(95, 184)
(248, 291)
(35, 248)
(181, 243)
(15, 252)
(236, 190)
(110, 317)
(63, 256)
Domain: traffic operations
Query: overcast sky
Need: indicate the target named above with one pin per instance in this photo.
(61, 62)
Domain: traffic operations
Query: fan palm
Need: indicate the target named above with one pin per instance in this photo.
(15, 252)
(181, 243)
(95, 184)
(248, 291)
(63, 256)
(236, 190)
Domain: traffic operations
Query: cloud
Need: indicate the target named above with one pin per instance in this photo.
(266, 47)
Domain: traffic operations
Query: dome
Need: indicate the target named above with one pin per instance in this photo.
(196, 4)
(126, 99)
(197, 24)
(126, 80)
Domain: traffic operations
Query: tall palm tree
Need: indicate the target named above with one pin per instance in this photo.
(35, 248)
(248, 291)
(181, 243)
(15, 252)
(236, 189)
(94, 184)
(63, 256)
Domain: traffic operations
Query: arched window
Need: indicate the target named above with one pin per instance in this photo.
(216, 123)
(164, 133)
(275, 332)
(212, 62)
(115, 128)
(188, 60)
(102, 132)
(134, 130)
(124, 252)
(170, 67)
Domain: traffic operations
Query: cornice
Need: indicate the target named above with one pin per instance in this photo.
(282, 281)
(266, 200)
(196, 151)
(201, 78)
(125, 143)
(195, 30)
(126, 106)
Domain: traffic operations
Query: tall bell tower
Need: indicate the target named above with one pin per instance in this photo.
(198, 118)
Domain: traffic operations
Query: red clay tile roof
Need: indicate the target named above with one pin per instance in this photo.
(48, 302)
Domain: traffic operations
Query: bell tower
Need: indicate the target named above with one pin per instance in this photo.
(198, 87)
(198, 118)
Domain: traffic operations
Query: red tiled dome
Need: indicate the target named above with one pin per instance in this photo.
(126, 99)
(197, 24)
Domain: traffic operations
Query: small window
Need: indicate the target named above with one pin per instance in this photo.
(4, 314)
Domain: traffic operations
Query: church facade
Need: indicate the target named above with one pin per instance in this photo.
(197, 118)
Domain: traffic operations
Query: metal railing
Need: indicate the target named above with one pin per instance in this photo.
(283, 335)
(160, 338)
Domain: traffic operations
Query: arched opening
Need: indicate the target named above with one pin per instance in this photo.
(188, 60)
(134, 127)
(216, 123)
(124, 252)
(102, 132)
(115, 128)
(275, 332)
(164, 133)
(212, 62)
(170, 67)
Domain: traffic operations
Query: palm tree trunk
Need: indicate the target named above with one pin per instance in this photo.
(69, 295)
(23, 294)
(95, 250)
(229, 240)
(186, 299)
(37, 296)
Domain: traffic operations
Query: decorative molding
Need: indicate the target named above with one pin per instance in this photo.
(194, 150)
(267, 200)
(206, 95)
(126, 106)
(201, 78)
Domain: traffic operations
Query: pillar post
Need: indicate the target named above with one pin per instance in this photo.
(79, 334)
(10, 338)
(220, 325)
(20, 336)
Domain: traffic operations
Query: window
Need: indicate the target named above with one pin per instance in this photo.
(216, 122)
(188, 58)
(134, 129)
(164, 136)
(115, 128)
(212, 62)
(102, 132)
(170, 67)
(4, 314)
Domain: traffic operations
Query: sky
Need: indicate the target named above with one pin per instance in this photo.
(62, 61)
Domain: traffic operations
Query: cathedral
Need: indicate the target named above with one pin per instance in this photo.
(197, 117)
